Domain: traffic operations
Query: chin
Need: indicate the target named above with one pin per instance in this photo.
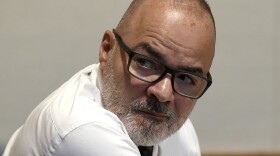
(146, 131)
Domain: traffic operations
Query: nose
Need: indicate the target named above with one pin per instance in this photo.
(162, 89)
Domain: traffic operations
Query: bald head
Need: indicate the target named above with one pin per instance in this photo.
(195, 8)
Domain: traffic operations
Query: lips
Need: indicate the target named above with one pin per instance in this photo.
(154, 115)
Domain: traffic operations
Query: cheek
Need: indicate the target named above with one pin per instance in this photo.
(130, 87)
(184, 106)
(137, 88)
(119, 61)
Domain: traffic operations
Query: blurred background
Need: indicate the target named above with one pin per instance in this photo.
(43, 43)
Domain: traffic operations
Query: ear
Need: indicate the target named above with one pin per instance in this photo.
(107, 45)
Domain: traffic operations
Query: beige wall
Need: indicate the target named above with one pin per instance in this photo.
(241, 110)
(43, 43)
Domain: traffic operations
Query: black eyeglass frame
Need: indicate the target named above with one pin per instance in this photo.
(168, 69)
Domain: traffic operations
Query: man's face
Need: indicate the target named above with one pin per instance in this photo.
(153, 111)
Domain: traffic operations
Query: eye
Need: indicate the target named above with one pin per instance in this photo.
(186, 79)
(146, 63)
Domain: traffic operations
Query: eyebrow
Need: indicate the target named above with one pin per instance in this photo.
(155, 54)
(148, 48)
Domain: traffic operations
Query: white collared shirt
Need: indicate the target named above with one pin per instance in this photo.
(72, 122)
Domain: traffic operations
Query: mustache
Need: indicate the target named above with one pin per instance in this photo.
(153, 105)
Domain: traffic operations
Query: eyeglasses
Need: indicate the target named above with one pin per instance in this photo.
(185, 83)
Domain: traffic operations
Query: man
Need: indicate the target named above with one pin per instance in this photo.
(153, 68)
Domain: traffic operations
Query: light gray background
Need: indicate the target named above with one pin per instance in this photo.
(43, 43)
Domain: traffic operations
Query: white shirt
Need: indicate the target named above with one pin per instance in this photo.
(73, 122)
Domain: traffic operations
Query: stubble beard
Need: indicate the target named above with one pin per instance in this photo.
(143, 130)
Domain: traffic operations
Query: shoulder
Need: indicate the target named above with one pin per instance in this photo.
(78, 103)
(73, 115)
(85, 127)
(97, 139)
